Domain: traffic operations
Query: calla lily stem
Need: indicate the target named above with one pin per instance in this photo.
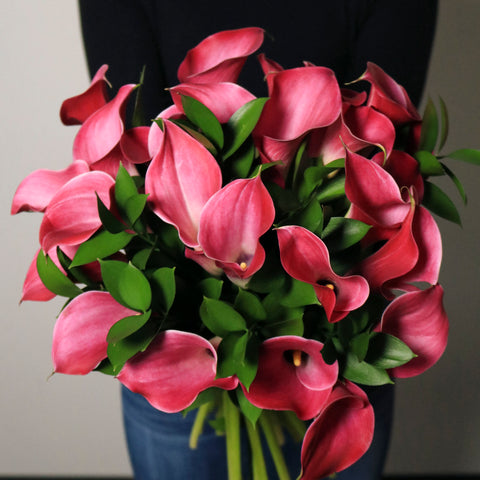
(232, 432)
(259, 469)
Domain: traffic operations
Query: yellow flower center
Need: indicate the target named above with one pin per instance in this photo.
(297, 357)
(243, 266)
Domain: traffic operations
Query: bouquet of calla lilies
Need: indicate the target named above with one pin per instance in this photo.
(261, 258)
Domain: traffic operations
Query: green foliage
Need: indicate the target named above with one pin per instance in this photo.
(54, 279)
(241, 124)
(438, 202)
(127, 285)
(221, 318)
(204, 119)
(341, 233)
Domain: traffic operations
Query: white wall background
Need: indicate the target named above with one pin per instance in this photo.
(72, 425)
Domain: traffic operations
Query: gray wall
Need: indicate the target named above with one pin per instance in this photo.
(72, 425)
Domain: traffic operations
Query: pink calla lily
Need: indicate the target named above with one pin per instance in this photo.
(388, 97)
(80, 333)
(180, 180)
(76, 110)
(33, 288)
(357, 128)
(418, 319)
(37, 189)
(302, 99)
(374, 191)
(305, 257)
(395, 258)
(405, 170)
(174, 369)
(72, 214)
(340, 435)
(220, 57)
(102, 131)
(231, 224)
(134, 145)
(292, 375)
(270, 69)
(223, 98)
(429, 243)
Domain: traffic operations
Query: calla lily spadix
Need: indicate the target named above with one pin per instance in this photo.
(173, 370)
(292, 375)
(305, 257)
(340, 435)
(180, 180)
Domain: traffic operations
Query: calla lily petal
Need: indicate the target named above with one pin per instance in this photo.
(340, 435)
(37, 189)
(75, 110)
(134, 145)
(33, 288)
(305, 257)
(180, 180)
(388, 97)
(223, 99)
(429, 243)
(374, 191)
(292, 375)
(103, 130)
(80, 333)
(233, 220)
(418, 319)
(72, 215)
(174, 369)
(270, 69)
(396, 258)
(220, 57)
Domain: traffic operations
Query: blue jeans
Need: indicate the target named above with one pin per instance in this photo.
(158, 444)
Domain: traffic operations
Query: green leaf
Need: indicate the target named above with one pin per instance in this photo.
(204, 119)
(125, 187)
(221, 318)
(444, 124)
(241, 124)
(341, 233)
(108, 219)
(299, 294)
(211, 287)
(231, 353)
(102, 245)
(363, 372)
(54, 279)
(250, 306)
(429, 164)
(135, 206)
(457, 183)
(359, 345)
(468, 155)
(126, 326)
(310, 217)
(332, 190)
(438, 202)
(240, 163)
(127, 285)
(386, 351)
(429, 132)
(163, 289)
(248, 367)
(251, 412)
(141, 258)
(121, 351)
